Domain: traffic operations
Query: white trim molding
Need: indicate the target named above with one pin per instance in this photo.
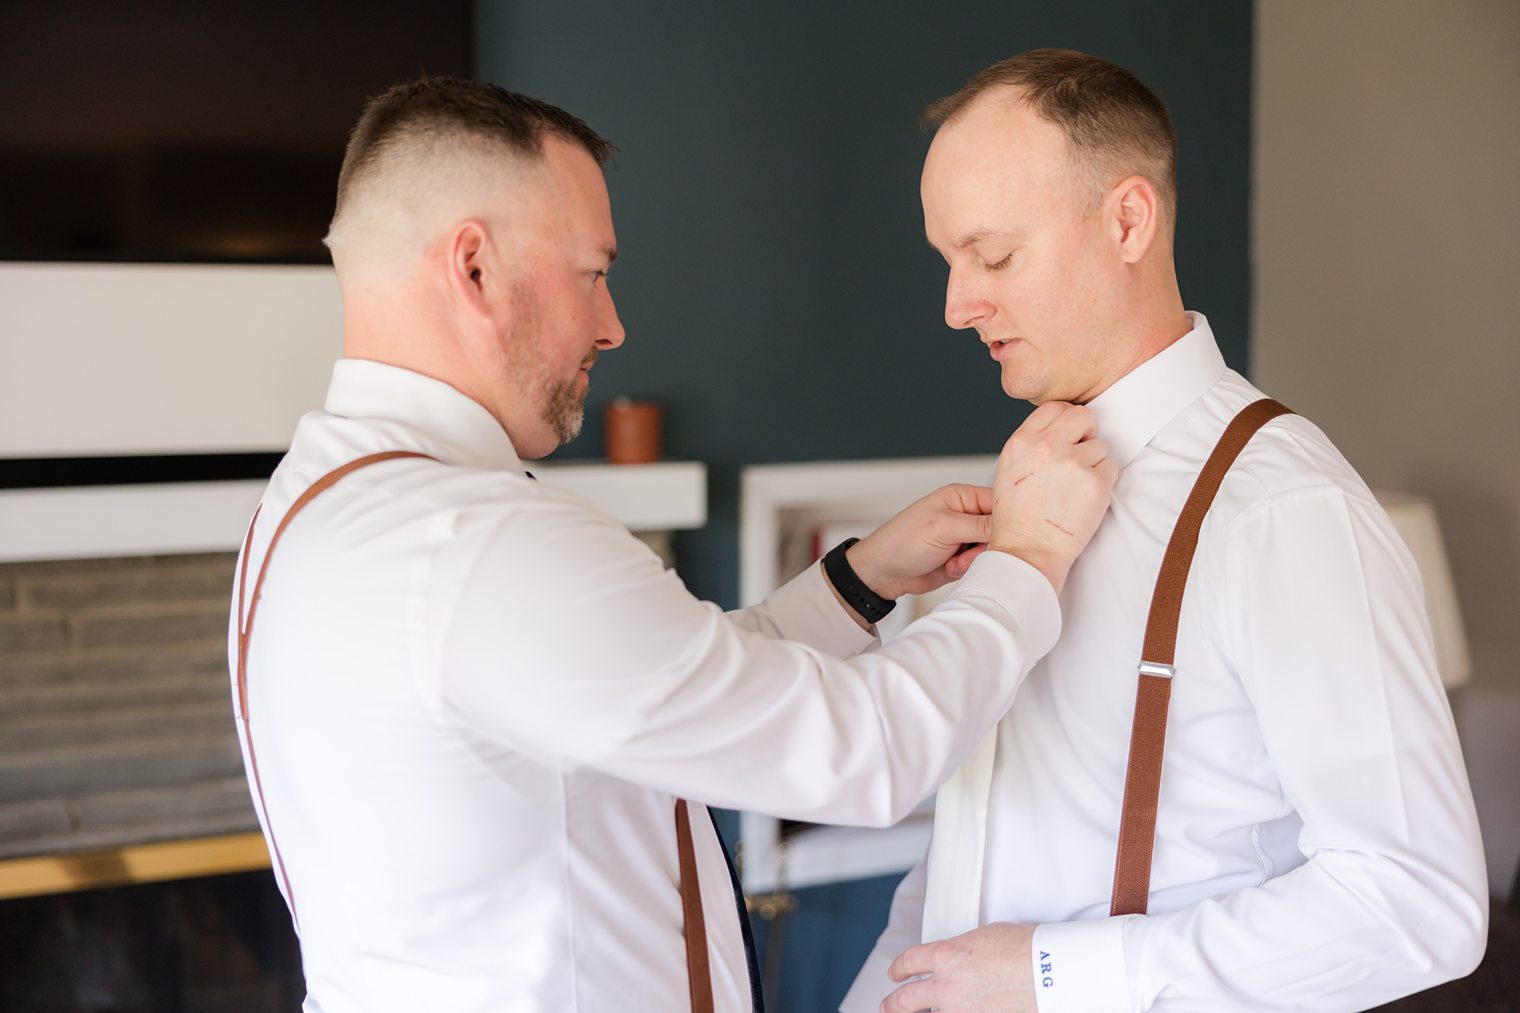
(181, 517)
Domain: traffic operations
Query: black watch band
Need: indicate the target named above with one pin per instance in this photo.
(851, 588)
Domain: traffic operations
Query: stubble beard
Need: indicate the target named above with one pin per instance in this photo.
(563, 408)
(561, 404)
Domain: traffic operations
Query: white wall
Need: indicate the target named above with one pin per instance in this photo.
(162, 358)
(1385, 224)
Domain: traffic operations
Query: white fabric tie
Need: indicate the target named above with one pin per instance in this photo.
(953, 899)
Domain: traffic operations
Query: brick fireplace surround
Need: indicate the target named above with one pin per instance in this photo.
(115, 721)
(116, 730)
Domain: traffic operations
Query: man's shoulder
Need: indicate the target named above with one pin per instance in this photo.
(419, 497)
(1290, 458)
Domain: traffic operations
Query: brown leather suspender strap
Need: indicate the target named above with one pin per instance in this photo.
(694, 928)
(1147, 743)
(245, 628)
(698, 971)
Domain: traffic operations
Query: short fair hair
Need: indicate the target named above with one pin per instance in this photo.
(431, 136)
(1115, 126)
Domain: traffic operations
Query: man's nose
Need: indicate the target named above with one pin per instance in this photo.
(611, 331)
(963, 308)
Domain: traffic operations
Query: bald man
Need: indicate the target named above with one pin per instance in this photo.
(1315, 846)
(469, 701)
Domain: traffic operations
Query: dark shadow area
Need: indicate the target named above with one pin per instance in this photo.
(218, 945)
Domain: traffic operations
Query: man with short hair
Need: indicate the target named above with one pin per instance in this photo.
(1315, 844)
(468, 701)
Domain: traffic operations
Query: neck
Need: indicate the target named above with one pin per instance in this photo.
(404, 333)
(1150, 325)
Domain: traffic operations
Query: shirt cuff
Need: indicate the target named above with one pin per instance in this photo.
(804, 609)
(1024, 592)
(1079, 967)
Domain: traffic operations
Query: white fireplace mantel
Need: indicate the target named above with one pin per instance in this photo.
(167, 518)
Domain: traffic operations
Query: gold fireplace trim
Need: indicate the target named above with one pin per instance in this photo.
(138, 863)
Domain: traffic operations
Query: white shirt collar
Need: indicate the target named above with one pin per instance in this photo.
(1144, 400)
(451, 426)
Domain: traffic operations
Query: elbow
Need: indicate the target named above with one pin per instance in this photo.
(1470, 916)
(882, 807)
(1465, 950)
(1453, 944)
(893, 813)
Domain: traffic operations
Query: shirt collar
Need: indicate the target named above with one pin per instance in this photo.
(449, 425)
(1140, 404)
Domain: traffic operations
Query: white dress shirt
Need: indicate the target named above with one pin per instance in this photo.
(1316, 845)
(475, 696)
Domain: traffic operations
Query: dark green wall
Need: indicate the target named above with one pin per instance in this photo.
(775, 284)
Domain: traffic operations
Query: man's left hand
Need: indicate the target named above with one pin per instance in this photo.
(986, 970)
(930, 543)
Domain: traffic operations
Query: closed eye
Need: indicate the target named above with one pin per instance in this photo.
(1000, 264)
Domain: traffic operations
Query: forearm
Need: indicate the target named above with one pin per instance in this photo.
(576, 648)
(807, 610)
(772, 727)
(1345, 931)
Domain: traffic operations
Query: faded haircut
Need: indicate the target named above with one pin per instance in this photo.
(431, 112)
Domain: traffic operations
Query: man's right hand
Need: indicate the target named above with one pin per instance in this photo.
(1051, 489)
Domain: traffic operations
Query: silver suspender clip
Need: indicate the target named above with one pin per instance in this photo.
(1155, 668)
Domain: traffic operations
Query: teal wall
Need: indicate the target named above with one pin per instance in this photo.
(775, 284)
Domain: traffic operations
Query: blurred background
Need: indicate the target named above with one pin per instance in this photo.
(1347, 220)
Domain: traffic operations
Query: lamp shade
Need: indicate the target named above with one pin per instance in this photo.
(1415, 519)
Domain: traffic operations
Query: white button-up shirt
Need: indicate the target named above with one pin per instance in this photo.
(1316, 845)
(474, 698)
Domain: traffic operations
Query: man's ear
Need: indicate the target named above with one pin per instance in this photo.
(473, 270)
(1134, 216)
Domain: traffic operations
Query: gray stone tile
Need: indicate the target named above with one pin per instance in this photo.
(66, 697)
(29, 634)
(202, 584)
(63, 734)
(114, 768)
(152, 628)
(121, 666)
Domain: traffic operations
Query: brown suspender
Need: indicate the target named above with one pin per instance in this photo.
(1147, 743)
(694, 928)
(698, 973)
(245, 629)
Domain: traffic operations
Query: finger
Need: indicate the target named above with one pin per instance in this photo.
(963, 529)
(970, 499)
(1075, 424)
(961, 498)
(911, 998)
(1109, 471)
(956, 568)
(1090, 453)
(914, 960)
(1043, 416)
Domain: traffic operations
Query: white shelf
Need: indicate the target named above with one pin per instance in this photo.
(821, 855)
(180, 517)
(667, 496)
(780, 505)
